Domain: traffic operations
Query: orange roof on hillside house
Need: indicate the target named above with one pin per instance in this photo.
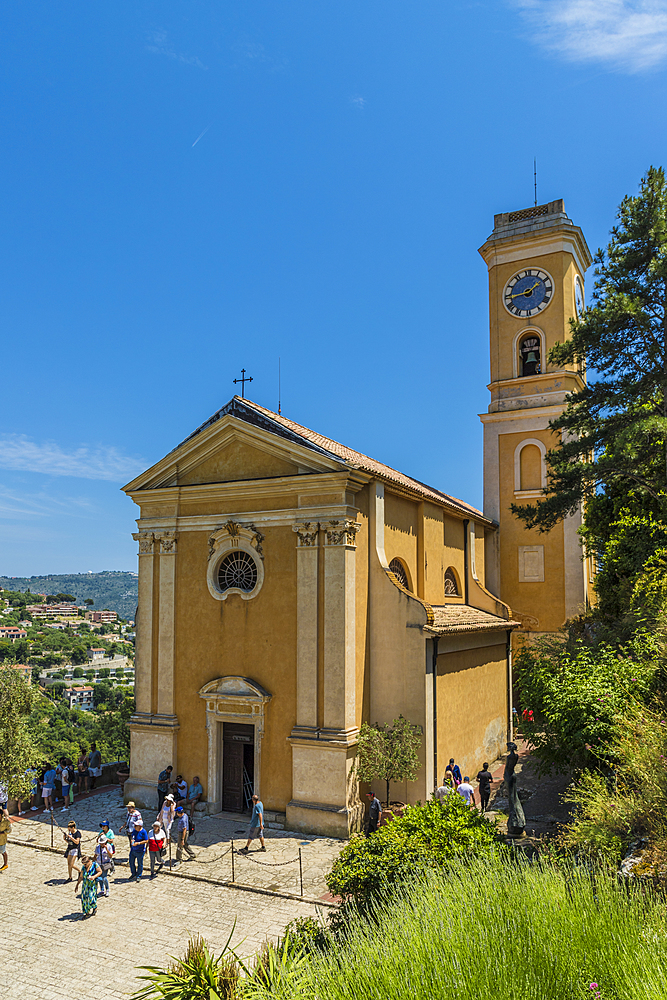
(252, 413)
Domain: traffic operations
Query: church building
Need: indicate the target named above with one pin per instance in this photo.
(291, 588)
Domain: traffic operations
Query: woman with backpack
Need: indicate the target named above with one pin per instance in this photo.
(104, 853)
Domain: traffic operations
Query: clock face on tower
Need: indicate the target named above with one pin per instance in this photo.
(578, 297)
(528, 292)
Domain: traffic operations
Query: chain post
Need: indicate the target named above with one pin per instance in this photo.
(233, 879)
(300, 872)
(52, 828)
(170, 851)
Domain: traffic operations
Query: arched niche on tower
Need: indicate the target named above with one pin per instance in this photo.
(528, 333)
(523, 468)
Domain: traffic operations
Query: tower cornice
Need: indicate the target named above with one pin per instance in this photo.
(534, 232)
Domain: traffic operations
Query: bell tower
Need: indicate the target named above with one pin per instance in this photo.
(537, 259)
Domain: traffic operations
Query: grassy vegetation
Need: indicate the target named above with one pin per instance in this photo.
(486, 929)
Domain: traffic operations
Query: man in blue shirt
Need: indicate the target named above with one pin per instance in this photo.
(183, 833)
(48, 785)
(195, 792)
(139, 841)
(256, 825)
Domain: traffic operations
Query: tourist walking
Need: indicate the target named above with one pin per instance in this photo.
(138, 849)
(156, 842)
(195, 793)
(5, 827)
(484, 779)
(89, 872)
(374, 812)
(94, 765)
(163, 779)
(131, 820)
(183, 834)
(107, 832)
(48, 785)
(82, 771)
(166, 814)
(104, 857)
(442, 791)
(466, 791)
(256, 828)
(453, 773)
(72, 838)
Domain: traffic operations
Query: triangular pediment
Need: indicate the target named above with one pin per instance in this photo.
(233, 449)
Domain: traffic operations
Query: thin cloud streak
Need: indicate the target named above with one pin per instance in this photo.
(626, 34)
(201, 135)
(21, 454)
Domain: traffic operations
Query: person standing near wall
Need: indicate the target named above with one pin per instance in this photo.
(104, 857)
(466, 791)
(48, 785)
(163, 779)
(5, 827)
(453, 773)
(374, 813)
(94, 765)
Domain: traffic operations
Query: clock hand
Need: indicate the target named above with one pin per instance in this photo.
(526, 291)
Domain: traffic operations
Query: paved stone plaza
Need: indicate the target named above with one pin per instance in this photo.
(51, 953)
(211, 844)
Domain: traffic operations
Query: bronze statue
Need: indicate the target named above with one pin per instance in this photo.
(517, 820)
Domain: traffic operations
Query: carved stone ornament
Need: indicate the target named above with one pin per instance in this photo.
(341, 532)
(145, 539)
(232, 531)
(307, 533)
(167, 542)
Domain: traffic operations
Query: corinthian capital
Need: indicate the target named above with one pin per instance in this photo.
(145, 539)
(167, 540)
(341, 532)
(307, 532)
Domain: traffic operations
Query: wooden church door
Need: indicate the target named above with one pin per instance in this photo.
(238, 741)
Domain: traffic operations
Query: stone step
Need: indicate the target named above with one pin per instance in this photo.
(275, 826)
(270, 816)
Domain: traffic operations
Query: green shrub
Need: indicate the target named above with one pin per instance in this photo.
(489, 929)
(426, 835)
(577, 691)
(199, 975)
(632, 801)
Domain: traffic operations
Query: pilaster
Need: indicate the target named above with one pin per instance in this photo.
(167, 605)
(307, 533)
(339, 632)
(143, 683)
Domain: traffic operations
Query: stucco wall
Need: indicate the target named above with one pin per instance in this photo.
(472, 703)
(255, 639)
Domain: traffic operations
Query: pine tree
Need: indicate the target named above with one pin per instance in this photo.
(613, 432)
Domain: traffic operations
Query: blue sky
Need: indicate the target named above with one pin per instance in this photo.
(192, 188)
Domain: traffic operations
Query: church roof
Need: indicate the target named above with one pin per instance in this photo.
(253, 413)
(449, 618)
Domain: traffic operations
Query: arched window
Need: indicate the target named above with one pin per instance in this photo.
(451, 583)
(238, 570)
(531, 467)
(400, 572)
(529, 355)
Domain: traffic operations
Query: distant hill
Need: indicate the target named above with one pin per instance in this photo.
(111, 589)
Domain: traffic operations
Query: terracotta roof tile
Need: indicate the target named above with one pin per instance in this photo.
(245, 409)
(464, 618)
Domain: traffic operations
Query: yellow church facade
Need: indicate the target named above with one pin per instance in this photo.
(291, 588)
